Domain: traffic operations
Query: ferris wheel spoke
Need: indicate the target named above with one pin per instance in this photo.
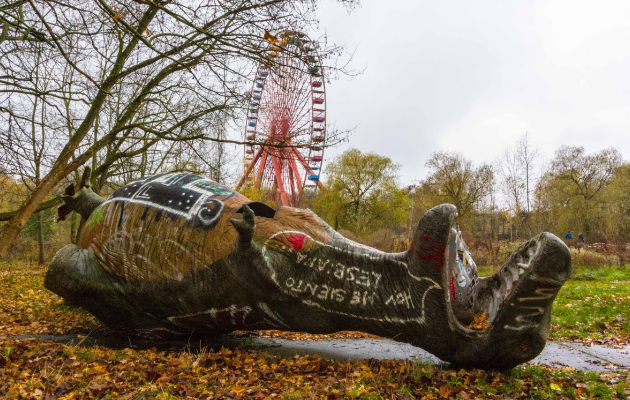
(296, 173)
(300, 89)
(303, 161)
(279, 180)
(249, 169)
(292, 181)
(261, 168)
(299, 96)
(301, 120)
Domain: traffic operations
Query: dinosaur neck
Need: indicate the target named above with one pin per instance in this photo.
(342, 285)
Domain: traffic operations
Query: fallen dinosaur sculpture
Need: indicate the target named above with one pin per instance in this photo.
(179, 254)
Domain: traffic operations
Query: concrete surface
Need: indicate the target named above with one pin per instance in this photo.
(576, 355)
(580, 357)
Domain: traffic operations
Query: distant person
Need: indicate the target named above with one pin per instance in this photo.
(568, 236)
(581, 237)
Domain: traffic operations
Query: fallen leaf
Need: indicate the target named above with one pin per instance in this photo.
(444, 392)
(238, 390)
(480, 322)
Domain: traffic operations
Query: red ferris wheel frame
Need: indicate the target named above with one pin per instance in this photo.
(285, 129)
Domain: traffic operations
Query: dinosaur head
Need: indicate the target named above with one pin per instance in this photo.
(490, 322)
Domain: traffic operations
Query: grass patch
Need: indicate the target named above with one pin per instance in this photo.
(591, 309)
(593, 304)
(607, 273)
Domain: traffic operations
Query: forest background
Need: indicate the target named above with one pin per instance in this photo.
(500, 204)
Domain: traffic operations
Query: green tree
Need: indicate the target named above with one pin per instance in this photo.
(572, 191)
(454, 179)
(616, 197)
(585, 174)
(361, 193)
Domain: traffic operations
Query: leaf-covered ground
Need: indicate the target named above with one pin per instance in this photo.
(34, 369)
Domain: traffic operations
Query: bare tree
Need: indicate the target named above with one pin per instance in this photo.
(527, 156)
(510, 172)
(126, 76)
(28, 150)
(515, 168)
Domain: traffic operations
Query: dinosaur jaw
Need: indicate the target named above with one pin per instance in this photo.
(517, 301)
(529, 279)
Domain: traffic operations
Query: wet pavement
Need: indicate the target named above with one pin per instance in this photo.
(558, 354)
(578, 356)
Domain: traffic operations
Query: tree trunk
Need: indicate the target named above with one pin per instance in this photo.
(55, 201)
(14, 226)
(40, 239)
(74, 222)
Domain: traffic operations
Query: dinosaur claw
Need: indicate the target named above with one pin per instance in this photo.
(241, 226)
(245, 228)
(248, 215)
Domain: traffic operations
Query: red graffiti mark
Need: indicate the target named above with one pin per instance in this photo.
(297, 241)
(430, 250)
(452, 285)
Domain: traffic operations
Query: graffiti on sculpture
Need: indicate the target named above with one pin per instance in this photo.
(184, 195)
(180, 254)
(337, 287)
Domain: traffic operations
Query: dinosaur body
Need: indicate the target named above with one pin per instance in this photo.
(179, 254)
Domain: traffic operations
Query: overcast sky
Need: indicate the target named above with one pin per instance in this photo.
(474, 76)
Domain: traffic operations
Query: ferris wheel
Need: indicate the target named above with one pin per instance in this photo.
(286, 121)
